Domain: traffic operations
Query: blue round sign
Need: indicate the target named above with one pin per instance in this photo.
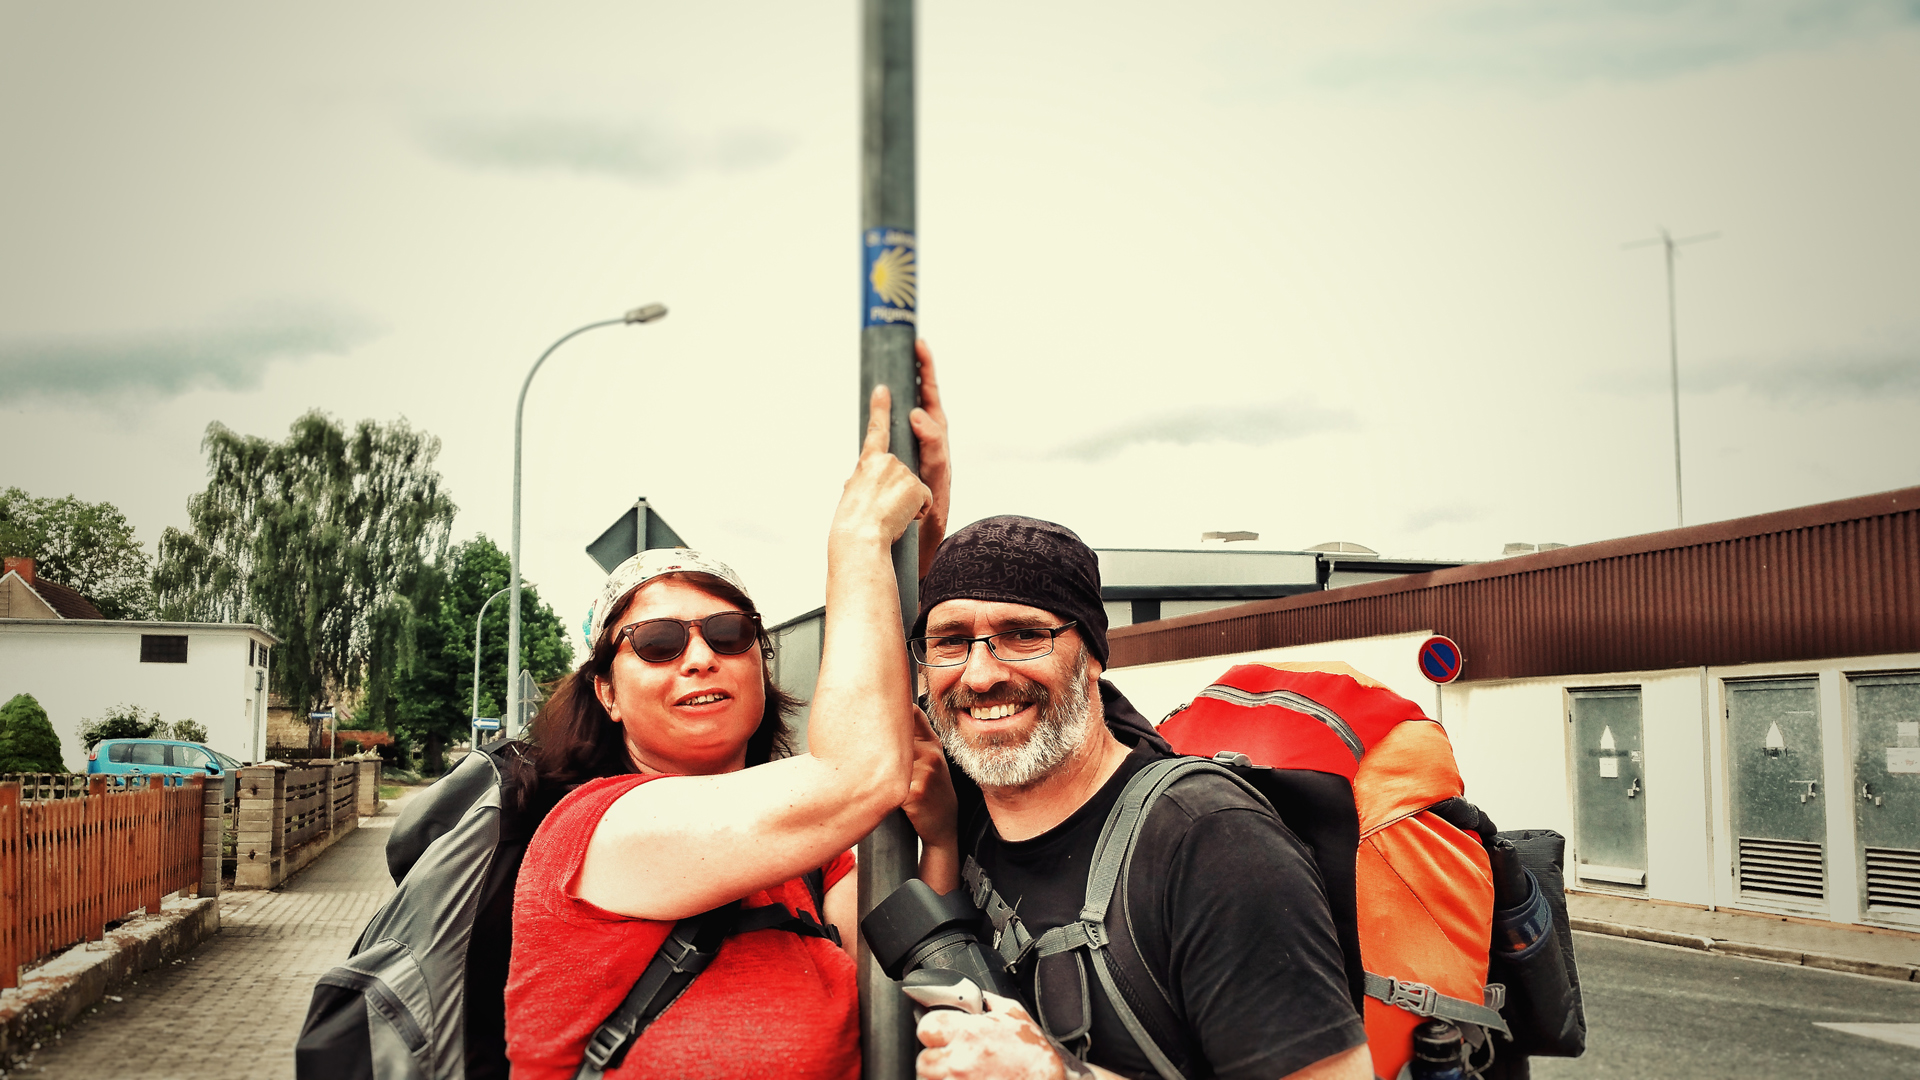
(1440, 659)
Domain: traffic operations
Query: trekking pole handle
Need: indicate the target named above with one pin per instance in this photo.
(941, 988)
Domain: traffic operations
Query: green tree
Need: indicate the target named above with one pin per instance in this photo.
(88, 547)
(28, 743)
(328, 539)
(121, 722)
(435, 688)
(188, 730)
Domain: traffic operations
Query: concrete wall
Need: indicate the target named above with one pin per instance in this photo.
(1134, 566)
(1158, 689)
(78, 669)
(796, 665)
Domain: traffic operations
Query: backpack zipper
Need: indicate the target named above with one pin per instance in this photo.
(1299, 703)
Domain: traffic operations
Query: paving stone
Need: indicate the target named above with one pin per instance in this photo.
(232, 1009)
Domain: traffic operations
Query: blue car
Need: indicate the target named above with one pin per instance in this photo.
(171, 758)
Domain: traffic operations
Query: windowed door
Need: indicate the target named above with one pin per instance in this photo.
(1609, 785)
(1886, 795)
(1774, 763)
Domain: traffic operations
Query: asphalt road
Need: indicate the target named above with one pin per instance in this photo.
(1657, 1011)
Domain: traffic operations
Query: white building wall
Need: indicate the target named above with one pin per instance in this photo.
(1510, 739)
(79, 669)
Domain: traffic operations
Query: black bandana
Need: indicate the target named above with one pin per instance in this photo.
(1020, 560)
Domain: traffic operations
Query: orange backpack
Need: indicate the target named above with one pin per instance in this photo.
(1422, 888)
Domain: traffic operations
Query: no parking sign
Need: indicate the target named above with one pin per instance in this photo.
(1440, 659)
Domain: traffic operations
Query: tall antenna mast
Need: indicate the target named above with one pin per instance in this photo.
(1666, 240)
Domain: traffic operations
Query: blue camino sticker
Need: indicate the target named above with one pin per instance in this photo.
(892, 278)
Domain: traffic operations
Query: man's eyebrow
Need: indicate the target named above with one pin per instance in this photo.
(961, 628)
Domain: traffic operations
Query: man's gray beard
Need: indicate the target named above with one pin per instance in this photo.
(999, 761)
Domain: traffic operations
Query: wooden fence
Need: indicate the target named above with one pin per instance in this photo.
(287, 816)
(71, 865)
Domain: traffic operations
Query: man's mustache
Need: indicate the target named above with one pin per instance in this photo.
(1017, 690)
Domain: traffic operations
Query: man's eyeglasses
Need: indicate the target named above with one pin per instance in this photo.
(1013, 646)
(657, 641)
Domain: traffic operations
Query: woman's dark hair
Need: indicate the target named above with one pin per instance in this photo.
(576, 741)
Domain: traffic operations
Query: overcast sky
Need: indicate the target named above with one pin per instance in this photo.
(1324, 272)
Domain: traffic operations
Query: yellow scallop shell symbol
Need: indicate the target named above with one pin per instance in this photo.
(893, 277)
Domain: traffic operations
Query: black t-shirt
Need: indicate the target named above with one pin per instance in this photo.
(1243, 942)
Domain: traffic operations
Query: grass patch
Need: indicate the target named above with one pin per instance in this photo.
(390, 792)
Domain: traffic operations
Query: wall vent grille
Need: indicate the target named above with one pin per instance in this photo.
(1773, 868)
(1893, 879)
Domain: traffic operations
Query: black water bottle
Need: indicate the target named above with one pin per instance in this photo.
(1439, 1053)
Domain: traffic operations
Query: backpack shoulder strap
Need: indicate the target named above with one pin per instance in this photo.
(1093, 933)
(690, 946)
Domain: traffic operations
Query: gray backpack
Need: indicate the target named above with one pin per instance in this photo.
(420, 997)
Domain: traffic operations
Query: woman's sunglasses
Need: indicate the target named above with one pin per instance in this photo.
(657, 641)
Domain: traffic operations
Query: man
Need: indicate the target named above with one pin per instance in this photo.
(1011, 641)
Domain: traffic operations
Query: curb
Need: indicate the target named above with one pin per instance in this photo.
(56, 993)
(1747, 950)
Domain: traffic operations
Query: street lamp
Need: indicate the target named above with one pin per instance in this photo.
(473, 729)
(646, 313)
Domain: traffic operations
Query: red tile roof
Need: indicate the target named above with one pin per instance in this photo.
(66, 603)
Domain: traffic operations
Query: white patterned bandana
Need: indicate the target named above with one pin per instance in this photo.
(645, 567)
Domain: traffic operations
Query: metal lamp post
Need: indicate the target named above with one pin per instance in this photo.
(473, 730)
(889, 318)
(644, 314)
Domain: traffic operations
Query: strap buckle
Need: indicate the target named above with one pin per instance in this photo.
(685, 956)
(1417, 998)
(603, 1044)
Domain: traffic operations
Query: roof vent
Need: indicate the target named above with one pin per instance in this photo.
(1527, 549)
(1346, 548)
(1228, 537)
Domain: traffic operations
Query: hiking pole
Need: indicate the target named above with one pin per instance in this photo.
(889, 317)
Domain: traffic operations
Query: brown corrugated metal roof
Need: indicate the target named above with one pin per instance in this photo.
(1837, 579)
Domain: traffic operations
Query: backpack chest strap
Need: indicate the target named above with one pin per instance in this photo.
(1423, 1000)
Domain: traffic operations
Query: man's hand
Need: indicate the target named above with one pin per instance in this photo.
(936, 463)
(1002, 1043)
(933, 809)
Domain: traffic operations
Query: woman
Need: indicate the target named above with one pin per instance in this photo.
(676, 675)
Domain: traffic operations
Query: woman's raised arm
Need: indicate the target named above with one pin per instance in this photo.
(678, 846)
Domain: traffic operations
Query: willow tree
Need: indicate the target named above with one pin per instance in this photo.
(328, 539)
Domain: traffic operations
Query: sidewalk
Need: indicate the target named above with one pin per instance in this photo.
(232, 1010)
(1862, 950)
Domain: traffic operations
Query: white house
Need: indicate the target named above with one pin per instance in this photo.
(77, 667)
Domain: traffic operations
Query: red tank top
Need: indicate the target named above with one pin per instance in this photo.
(772, 1003)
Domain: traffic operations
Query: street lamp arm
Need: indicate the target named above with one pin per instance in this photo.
(646, 313)
(520, 408)
(476, 652)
